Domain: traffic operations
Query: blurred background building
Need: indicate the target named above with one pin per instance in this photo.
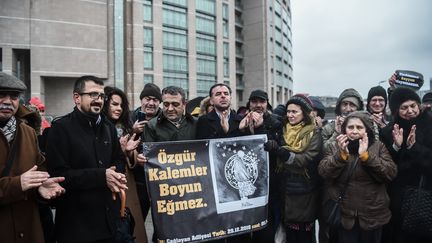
(188, 43)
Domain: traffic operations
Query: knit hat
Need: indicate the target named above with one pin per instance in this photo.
(259, 94)
(11, 83)
(302, 101)
(376, 91)
(427, 97)
(318, 106)
(399, 96)
(352, 96)
(151, 89)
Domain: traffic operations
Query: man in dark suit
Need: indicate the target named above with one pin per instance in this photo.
(222, 122)
(82, 146)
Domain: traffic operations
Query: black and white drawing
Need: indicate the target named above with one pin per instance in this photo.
(240, 173)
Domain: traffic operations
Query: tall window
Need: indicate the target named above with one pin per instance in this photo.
(204, 83)
(175, 39)
(175, 61)
(207, 6)
(148, 48)
(175, 17)
(205, 24)
(206, 44)
(176, 79)
(147, 11)
(148, 78)
(226, 59)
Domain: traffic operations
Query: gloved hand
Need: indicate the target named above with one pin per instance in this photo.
(271, 146)
(283, 154)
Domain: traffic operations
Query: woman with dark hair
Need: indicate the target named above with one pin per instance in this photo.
(298, 152)
(116, 109)
(409, 139)
(357, 168)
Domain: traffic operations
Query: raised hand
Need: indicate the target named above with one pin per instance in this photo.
(397, 135)
(338, 123)
(363, 144)
(224, 121)
(378, 119)
(33, 178)
(411, 137)
(257, 118)
(115, 181)
(131, 143)
(342, 141)
(138, 126)
(51, 188)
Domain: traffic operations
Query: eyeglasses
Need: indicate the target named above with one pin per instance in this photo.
(94, 95)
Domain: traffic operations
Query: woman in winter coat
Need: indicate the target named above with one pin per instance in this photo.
(409, 139)
(298, 151)
(365, 204)
(116, 109)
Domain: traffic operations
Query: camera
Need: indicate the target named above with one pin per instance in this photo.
(141, 116)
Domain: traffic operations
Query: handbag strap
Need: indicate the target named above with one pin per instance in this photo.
(350, 173)
(10, 159)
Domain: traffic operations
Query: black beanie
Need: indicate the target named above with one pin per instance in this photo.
(151, 89)
(376, 91)
(427, 97)
(399, 96)
(301, 100)
(318, 106)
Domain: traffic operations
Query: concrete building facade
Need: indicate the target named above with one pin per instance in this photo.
(189, 43)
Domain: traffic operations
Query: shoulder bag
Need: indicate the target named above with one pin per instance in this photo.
(332, 208)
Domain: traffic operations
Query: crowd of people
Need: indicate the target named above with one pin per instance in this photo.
(367, 159)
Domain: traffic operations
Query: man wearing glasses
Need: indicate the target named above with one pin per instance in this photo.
(82, 146)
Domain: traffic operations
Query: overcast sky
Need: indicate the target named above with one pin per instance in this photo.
(340, 44)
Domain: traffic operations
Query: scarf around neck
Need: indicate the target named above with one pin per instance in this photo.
(297, 137)
(9, 129)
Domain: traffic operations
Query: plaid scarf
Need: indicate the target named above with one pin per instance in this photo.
(9, 129)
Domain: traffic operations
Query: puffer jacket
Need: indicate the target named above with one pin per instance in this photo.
(366, 197)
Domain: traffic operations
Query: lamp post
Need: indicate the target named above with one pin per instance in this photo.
(382, 81)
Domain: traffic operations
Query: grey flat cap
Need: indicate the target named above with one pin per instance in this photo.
(11, 83)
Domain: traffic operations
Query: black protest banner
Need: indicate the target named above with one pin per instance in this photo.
(207, 189)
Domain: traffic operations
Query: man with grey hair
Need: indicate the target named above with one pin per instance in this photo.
(21, 183)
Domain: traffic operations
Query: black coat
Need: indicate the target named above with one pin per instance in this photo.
(208, 126)
(81, 150)
(412, 163)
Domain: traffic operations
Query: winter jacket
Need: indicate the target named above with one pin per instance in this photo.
(19, 213)
(161, 129)
(301, 182)
(412, 163)
(81, 150)
(366, 198)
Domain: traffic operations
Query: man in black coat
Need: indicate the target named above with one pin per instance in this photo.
(82, 146)
(222, 122)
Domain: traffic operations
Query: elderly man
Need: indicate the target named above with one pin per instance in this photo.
(83, 147)
(20, 181)
(150, 99)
